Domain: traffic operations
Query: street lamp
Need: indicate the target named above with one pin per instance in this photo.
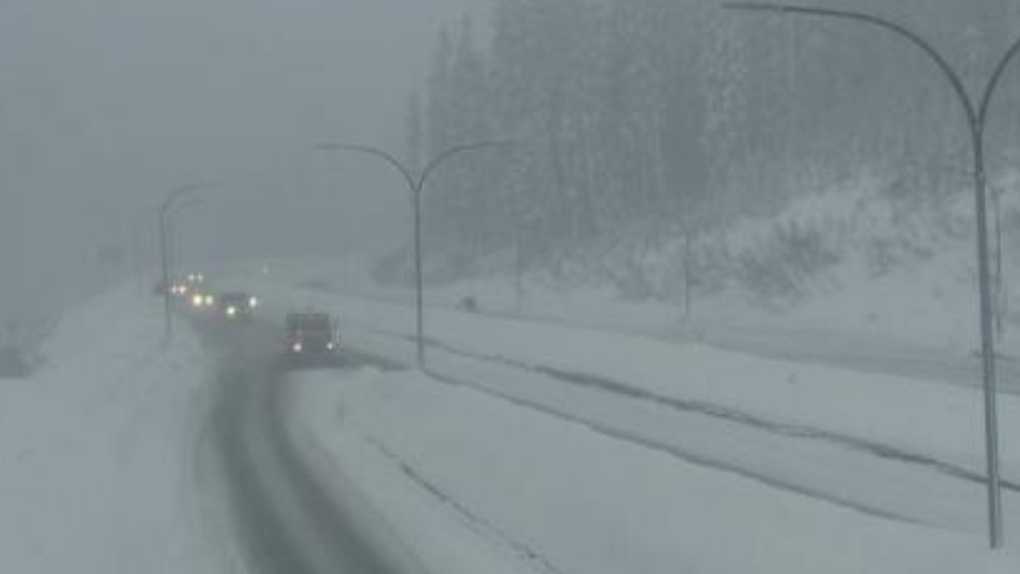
(172, 197)
(171, 230)
(976, 115)
(415, 184)
(137, 249)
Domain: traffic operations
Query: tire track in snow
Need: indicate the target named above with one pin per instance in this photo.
(477, 522)
(729, 414)
(287, 520)
(675, 451)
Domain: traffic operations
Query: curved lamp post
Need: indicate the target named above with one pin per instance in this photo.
(137, 249)
(171, 230)
(976, 114)
(415, 184)
(172, 197)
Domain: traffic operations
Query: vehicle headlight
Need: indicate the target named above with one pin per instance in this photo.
(253, 302)
(209, 300)
(231, 311)
(331, 346)
(197, 300)
(298, 347)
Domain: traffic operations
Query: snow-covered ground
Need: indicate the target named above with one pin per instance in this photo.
(801, 425)
(452, 468)
(567, 449)
(510, 472)
(838, 447)
(938, 420)
(95, 472)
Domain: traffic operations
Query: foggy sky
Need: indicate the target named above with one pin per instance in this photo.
(106, 104)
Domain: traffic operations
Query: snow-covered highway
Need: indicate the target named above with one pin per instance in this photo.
(882, 475)
(491, 462)
(285, 521)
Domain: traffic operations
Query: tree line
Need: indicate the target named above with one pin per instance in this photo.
(638, 120)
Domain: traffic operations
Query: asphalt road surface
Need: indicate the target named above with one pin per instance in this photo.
(286, 520)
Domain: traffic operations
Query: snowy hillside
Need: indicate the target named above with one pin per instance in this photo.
(864, 256)
(860, 262)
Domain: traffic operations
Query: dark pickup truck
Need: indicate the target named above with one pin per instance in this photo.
(237, 305)
(311, 337)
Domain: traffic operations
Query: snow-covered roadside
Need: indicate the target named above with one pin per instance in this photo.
(912, 415)
(95, 465)
(527, 362)
(551, 496)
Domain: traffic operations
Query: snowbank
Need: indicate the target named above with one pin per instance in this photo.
(95, 466)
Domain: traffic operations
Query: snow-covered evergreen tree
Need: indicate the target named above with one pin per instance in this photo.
(635, 119)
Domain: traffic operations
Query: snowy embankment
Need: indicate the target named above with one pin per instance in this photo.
(95, 467)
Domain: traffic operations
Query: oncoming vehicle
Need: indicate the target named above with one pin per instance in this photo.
(195, 278)
(186, 286)
(178, 287)
(200, 300)
(311, 336)
(237, 305)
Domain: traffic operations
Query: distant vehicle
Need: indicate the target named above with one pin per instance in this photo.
(182, 286)
(311, 336)
(237, 304)
(201, 301)
(175, 285)
(187, 285)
